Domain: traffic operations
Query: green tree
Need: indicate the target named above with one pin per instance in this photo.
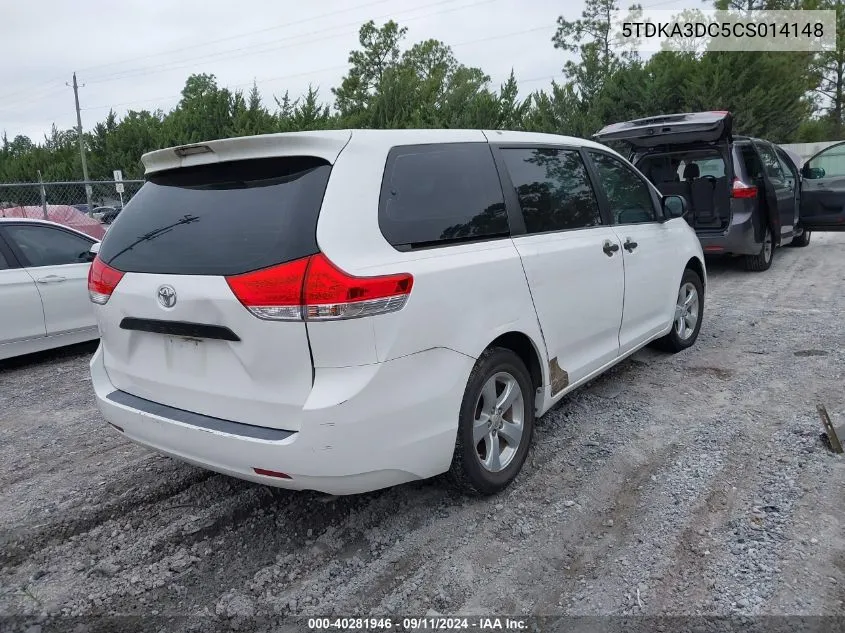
(379, 52)
(828, 71)
(205, 112)
(591, 38)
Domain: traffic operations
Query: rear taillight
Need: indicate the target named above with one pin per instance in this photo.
(102, 280)
(272, 293)
(314, 289)
(740, 190)
(330, 293)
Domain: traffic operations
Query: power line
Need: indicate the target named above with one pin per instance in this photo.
(208, 43)
(273, 45)
(245, 34)
(50, 87)
(47, 89)
(324, 70)
(28, 98)
(31, 98)
(263, 47)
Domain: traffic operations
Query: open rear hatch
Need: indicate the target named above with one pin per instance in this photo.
(185, 324)
(670, 129)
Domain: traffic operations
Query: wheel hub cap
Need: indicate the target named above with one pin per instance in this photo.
(496, 420)
(499, 422)
(686, 311)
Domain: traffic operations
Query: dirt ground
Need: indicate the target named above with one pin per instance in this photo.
(673, 485)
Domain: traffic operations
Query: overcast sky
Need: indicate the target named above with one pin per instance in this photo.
(136, 54)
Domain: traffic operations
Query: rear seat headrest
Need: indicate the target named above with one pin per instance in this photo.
(691, 171)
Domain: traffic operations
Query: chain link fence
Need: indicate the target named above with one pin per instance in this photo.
(104, 193)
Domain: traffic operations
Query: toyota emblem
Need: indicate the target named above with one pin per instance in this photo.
(166, 296)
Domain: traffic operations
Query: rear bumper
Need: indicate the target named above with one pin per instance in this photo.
(363, 428)
(738, 239)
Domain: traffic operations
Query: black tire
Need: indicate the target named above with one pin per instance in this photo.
(802, 240)
(673, 342)
(466, 472)
(761, 261)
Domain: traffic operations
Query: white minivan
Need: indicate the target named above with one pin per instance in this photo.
(343, 311)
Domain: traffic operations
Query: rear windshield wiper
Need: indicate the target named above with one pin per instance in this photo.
(187, 219)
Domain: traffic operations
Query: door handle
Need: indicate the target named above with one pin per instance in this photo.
(629, 245)
(51, 279)
(610, 248)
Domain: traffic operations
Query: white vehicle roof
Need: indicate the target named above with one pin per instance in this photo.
(327, 144)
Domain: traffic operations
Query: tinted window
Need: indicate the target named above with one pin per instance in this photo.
(714, 167)
(46, 246)
(627, 194)
(752, 163)
(553, 189)
(441, 193)
(770, 163)
(681, 166)
(787, 169)
(3, 263)
(220, 219)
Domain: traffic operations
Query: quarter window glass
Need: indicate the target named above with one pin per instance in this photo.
(553, 189)
(440, 194)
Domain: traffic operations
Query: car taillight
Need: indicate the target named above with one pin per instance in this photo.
(740, 190)
(102, 280)
(331, 293)
(314, 289)
(272, 293)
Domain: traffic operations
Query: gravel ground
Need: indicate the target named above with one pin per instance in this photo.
(673, 485)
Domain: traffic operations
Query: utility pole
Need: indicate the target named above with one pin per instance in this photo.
(82, 145)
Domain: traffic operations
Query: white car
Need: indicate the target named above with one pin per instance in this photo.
(348, 310)
(43, 278)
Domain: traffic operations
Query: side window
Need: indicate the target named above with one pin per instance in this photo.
(627, 194)
(553, 188)
(48, 246)
(788, 173)
(770, 163)
(441, 193)
(828, 163)
(752, 163)
(3, 263)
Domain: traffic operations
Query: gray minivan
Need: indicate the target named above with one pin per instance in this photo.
(745, 195)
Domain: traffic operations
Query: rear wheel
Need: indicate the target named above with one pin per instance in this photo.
(762, 260)
(689, 311)
(495, 424)
(803, 239)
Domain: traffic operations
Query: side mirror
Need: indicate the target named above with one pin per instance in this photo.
(812, 173)
(91, 253)
(674, 207)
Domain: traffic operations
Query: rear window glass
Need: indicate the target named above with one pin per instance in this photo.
(682, 166)
(221, 219)
(440, 194)
(753, 166)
